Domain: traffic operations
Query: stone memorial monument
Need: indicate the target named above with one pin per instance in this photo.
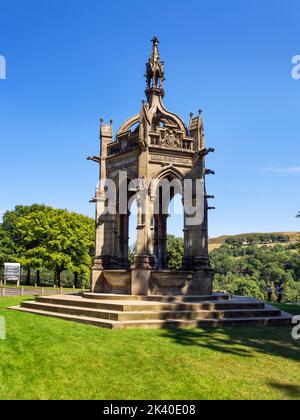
(151, 147)
(153, 157)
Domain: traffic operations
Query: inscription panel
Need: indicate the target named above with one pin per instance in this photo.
(171, 159)
(121, 163)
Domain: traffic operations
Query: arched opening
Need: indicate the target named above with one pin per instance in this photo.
(175, 233)
(168, 218)
(175, 223)
(135, 127)
(127, 224)
(132, 237)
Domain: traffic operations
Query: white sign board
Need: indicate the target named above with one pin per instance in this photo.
(12, 272)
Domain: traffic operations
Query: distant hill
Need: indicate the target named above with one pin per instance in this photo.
(220, 240)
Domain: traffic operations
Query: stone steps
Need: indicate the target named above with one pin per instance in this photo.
(208, 323)
(168, 323)
(156, 298)
(141, 313)
(145, 315)
(129, 306)
(102, 323)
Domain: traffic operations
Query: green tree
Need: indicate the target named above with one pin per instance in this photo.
(272, 273)
(175, 249)
(251, 239)
(261, 265)
(51, 238)
(131, 252)
(7, 248)
(245, 287)
(265, 238)
(233, 242)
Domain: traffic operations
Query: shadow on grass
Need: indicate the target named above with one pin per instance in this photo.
(292, 309)
(291, 391)
(245, 341)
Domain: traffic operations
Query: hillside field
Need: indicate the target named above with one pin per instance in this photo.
(215, 243)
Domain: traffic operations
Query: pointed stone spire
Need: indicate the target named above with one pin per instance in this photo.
(155, 54)
(155, 71)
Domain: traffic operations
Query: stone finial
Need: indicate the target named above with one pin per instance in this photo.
(155, 40)
(155, 53)
(155, 69)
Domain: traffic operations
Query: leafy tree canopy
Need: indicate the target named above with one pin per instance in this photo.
(41, 236)
(175, 249)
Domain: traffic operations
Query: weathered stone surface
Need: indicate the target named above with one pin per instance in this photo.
(125, 311)
(153, 145)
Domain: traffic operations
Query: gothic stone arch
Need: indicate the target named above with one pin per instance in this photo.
(153, 145)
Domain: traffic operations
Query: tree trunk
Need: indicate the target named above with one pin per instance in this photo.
(58, 278)
(38, 277)
(76, 280)
(55, 278)
(28, 276)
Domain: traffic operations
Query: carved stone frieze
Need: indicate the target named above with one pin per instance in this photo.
(171, 138)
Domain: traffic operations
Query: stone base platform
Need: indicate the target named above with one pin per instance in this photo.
(124, 311)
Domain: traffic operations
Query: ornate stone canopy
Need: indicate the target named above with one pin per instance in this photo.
(154, 144)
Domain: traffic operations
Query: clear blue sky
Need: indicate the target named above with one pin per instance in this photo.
(70, 62)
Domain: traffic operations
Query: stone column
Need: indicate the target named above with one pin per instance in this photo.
(196, 257)
(161, 231)
(103, 228)
(152, 232)
(102, 243)
(123, 240)
(141, 261)
(113, 242)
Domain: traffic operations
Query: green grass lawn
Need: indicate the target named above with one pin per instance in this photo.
(44, 358)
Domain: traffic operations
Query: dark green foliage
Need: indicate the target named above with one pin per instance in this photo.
(233, 242)
(175, 249)
(39, 236)
(249, 270)
(245, 287)
(131, 252)
(252, 239)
